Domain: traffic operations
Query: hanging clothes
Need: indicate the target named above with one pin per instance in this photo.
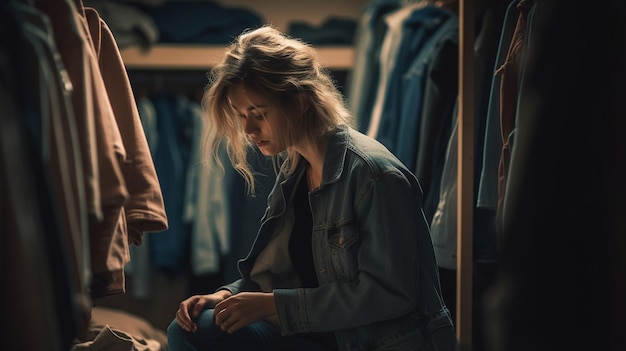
(510, 72)
(415, 86)
(144, 212)
(37, 235)
(413, 89)
(168, 250)
(421, 33)
(91, 103)
(93, 173)
(390, 47)
(363, 78)
(444, 223)
(488, 183)
(440, 94)
(562, 262)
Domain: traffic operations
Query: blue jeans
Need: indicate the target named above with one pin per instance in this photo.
(254, 337)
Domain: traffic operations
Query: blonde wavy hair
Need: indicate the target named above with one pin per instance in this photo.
(285, 71)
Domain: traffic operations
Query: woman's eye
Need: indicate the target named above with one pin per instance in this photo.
(259, 116)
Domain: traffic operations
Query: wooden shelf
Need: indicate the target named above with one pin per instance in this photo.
(176, 56)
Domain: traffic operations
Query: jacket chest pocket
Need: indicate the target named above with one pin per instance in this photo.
(344, 244)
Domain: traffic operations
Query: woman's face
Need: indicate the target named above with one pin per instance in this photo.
(258, 120)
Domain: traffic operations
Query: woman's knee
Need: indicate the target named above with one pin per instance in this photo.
(180, 339)
(174, 328)
(209, 336)
(176, 337)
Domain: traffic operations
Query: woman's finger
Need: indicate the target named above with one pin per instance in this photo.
(184, 321)
(181, 320)
(236, 325)
(223, 325)
(220, 316)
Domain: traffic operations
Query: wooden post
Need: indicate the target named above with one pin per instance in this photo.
(465, 204)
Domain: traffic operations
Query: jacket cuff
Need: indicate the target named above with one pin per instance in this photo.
(292, 311)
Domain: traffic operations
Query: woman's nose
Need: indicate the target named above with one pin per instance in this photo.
(249, 127)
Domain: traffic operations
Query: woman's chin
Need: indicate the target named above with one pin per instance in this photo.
(267, 151)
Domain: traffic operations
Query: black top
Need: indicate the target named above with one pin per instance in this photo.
(300, 242)
(301, 254)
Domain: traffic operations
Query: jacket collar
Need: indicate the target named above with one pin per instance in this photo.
(336, 151)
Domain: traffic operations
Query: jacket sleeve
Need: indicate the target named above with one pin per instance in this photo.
(233, 287)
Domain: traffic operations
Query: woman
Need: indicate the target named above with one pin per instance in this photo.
(343, 257)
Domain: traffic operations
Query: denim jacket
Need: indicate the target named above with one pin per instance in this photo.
(378, 278)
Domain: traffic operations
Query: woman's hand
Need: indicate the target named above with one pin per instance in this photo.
(190, 308)
(239, 310)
